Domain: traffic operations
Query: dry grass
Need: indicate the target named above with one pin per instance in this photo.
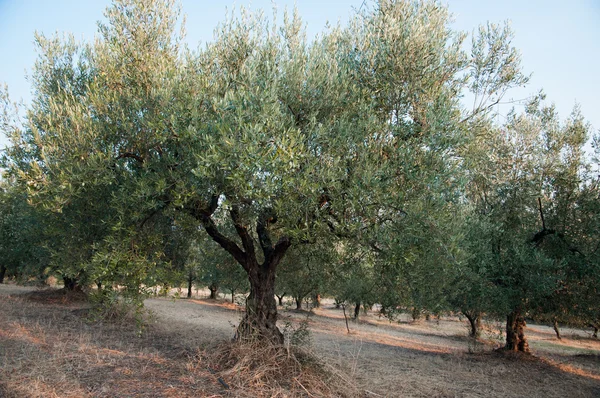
(255, 369)
(49, 349)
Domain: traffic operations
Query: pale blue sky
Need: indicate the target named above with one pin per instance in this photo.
(559, 40)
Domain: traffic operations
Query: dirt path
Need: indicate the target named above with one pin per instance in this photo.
(424, 359)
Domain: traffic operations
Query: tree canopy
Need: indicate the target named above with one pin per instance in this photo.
(355, 145)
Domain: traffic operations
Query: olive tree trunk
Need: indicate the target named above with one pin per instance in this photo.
(556, 329)
(356, 310)
(474, 323)
(71, 284)
(515, 333)
(213, 291)
(280, 299)
(2, 273)
(190, 281)
(316, 300)
(260, 320)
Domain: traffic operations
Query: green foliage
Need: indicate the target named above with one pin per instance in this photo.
(304, 270)
(110, 305)
(23, 237)
(352, 149)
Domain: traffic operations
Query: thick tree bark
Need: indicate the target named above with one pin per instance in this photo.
(2, 273)
(232, 296)
(298, 302)
(356, 310)
(515, 333)
(261, 308)
(260, 320)
(474, 323)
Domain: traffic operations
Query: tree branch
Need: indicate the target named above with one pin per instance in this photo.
(539, 237)
(242, 231)
(230, 246)
(264, 238)
(541, 213)
(203, 213)
(130, 155)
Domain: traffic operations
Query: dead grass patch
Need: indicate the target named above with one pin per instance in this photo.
(47, 350)
(260, 369)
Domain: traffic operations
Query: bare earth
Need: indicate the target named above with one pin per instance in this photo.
(426, 358)
(421, 359)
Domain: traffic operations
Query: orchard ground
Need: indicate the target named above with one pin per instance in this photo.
(49, 349)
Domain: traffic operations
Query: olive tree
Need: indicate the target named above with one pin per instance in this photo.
(259, 132)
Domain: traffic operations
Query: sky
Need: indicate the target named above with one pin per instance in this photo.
(559, 40)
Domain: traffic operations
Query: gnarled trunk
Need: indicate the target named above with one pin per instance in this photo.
(2, 273)
(298, 302)
(515, 333)
(474, 323)
(261, 308)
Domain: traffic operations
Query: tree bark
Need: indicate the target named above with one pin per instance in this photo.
(261, 308)
(356, 310)
(280, 299)
(416, 313)
(190, 283)
(232, 296)
(260, 321)
(515, 333)
(213, 291)
(71, 284)
(298, 302)
(2, 273)
(316, 300)
(474, 323)
(556, 330)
